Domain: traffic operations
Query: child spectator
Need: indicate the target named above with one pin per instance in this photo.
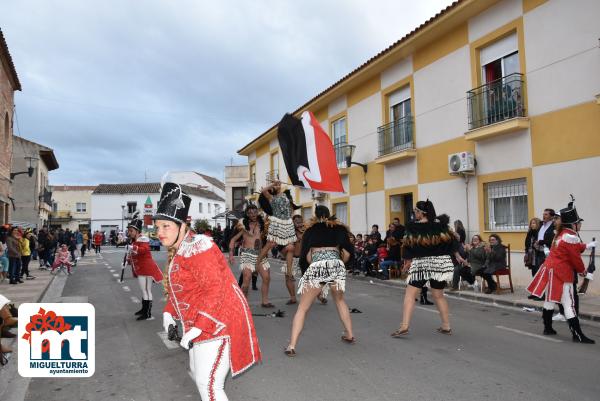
(62, 258)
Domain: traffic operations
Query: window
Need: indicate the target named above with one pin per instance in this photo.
(217, 208)
(200, 208)
(339, 136)
(306, 214)
(80, 207)
(208, 206)
(274, 173)
(506, 205)
(54, 207)
(6, 130)
(499, 59)
(341, 212)
(238, 197)
(131, 207)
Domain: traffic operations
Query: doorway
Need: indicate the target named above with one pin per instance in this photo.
(401, 207)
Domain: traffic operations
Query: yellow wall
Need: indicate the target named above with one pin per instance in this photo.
(262, 150)
(364, 90)
(515, 238)
(375, 179)
(432, 161)
(322, 114)
(529, 5)
(410, 189)
(439, 48)
(567, 134)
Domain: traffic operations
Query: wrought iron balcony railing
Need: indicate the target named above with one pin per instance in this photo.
(272, 175)
(340, 155)
(396, 136)
(46, 197)
(496, 101)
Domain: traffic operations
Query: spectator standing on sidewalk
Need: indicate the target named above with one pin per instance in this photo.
(84, 243)
(545, 236)
(98, 238)
(3, 258)
(375, 234)
(530, 252)
(42, 247)
(33, 244)
(459, 228)
(25, 255)
(14, 255)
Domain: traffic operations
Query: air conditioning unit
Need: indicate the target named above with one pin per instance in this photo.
(461, 163)
(316, 195)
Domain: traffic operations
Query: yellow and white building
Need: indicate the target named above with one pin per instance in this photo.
(514, 83)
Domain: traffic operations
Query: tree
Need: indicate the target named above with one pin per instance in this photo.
(201, 225)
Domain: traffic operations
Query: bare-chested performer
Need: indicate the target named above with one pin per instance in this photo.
(250, 229)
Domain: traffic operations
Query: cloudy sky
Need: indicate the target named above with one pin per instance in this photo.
(123, 90)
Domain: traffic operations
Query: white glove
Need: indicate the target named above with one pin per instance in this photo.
(590, 245)
(167, 321)
(546, 250)
(189, 336)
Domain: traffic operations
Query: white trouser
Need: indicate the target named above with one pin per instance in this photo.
(145, 283)
(209, 364)
(567, 301)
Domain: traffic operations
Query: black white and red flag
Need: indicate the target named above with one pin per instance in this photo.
(308, 153)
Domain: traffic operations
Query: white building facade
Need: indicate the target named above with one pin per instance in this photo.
(71, 207)
(112, 205)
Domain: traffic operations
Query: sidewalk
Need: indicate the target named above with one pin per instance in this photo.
(589, 305)
(30, 290)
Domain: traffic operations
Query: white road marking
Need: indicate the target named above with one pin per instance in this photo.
(126, 288)
(432, 309)
(169, 344)
(112, 270)
(525, 333)
(116, 275)
(135, 300)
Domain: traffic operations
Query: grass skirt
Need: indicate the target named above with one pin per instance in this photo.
(281, 231)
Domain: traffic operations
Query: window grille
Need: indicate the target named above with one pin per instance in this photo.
(506, 205)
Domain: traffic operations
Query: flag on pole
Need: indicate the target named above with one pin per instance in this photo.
(308, 153)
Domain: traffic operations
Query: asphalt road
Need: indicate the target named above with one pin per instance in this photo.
(494, 353)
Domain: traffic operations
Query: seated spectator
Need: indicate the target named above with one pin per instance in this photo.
(460, 266)
(391, 258)
(375, 234)
(476, 255)
(495, 260)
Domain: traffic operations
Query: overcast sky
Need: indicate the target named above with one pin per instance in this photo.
(127, 89)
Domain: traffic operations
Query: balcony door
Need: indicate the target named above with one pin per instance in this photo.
(399, 117)
(339, 136)
(499, 74)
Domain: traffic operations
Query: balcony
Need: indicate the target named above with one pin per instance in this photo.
(396, 140)
(61, 216)
(271, 176)
(496, 108)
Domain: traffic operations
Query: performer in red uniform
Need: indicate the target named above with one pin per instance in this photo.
(143, 265)
(205, 297)
(555, 276)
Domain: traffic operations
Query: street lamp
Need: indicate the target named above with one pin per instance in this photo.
(122, 215)
(30, 169)
(348, 152)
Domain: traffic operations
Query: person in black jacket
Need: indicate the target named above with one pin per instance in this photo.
(545, 236)
(326, 247)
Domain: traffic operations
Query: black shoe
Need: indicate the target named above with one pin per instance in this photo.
(20, 281)
(547, 318)
(13, 282)
(142, 315)
(425, 301)
(578, 335)
(141, 311)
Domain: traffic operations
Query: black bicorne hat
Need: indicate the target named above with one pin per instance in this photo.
(569, 215)
(173, 205)
(136, 222)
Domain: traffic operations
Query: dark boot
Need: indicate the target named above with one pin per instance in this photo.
(578, 335)
(149, 311)
(547, 318)
(144, 313)
(424, 300)
(254, 279)
(141, 311)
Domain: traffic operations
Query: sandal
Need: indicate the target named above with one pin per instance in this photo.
(291, 302)
(400, 333)
(444, 331)
(348, 340)
(269, 305)
(291, 352)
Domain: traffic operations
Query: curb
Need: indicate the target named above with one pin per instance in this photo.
(468, 296)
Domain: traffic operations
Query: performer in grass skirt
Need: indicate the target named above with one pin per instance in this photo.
(281, 232)
(325, 248)
(427, 246)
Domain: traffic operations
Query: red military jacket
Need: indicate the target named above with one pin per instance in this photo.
(97, 239)
(203, 293)
(141, 261)
(559, 268)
